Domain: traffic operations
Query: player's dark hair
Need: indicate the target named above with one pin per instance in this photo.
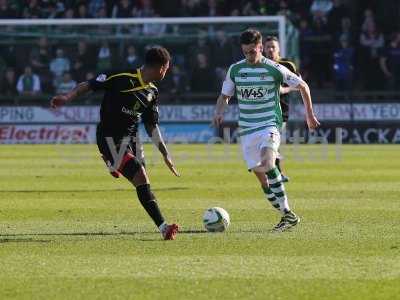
(157, 56)
(250, 36)
(271, 38)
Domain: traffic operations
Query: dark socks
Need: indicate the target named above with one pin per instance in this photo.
(149, 202)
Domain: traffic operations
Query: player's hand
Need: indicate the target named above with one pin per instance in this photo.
(58, 101)
(218, 119)
(171, 166)
(312, 121)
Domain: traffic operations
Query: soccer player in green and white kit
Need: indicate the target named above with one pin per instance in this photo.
(256, 81)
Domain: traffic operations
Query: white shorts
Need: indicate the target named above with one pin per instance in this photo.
(282, 130)
(253, 143)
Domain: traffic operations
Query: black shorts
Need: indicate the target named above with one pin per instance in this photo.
(110, 144)
(285, 110)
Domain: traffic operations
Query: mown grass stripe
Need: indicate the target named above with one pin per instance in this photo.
(184, 266)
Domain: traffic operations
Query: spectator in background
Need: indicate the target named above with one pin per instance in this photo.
(178, 80)
(59, 65)
(336, 15)
(202, 79)
(321, 8)
(235, 12)
(60, 7)
(28, 83)
(175, 82)
(321, 53)
(8, 85)
(188, 8)
(32, 10)
(40, 56)
(248, 9)
(146, 10)
(371, 42)
(103, 30)
(320, 23)
(8, 53)
(285, 11)
(389, 62)
(122, 10)
(202, 45)
(66, 84)
(104, 57)
(263, 8)
(222, 53)
(168, 8)
(6, 12)
(95, 6)
(132, 60)
(69, 14)
(345, 31)
(209, 8)
(48, 9)
(154, 29)
(343, 66)
(51, 12)
(83, 61)
(3, 65)
(368, 21)
(125, 9)
(40, 61)
(82, 11)
(101, 13)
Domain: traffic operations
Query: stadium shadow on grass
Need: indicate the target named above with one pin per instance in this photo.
(89, 191)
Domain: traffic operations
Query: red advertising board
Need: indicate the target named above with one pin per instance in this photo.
(47, 134)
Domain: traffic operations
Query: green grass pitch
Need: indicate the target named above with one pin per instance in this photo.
(68, 230)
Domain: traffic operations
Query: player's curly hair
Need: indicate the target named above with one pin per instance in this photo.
(157, 56)
(250, 36)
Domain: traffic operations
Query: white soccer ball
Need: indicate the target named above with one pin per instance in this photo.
(216, 219)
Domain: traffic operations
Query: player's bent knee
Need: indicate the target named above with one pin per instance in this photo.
(130, 167)
(265, 166)
(140, 178)
(269, 165)
(260, 169)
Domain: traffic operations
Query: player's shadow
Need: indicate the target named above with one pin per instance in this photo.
(91, 191)
(191, 231)
(40, 237)
(23, 240)
(30, 236)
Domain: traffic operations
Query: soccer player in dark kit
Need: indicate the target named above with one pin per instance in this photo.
(272, 51)
(129, 96)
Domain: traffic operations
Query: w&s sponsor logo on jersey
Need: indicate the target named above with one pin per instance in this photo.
(253, 93)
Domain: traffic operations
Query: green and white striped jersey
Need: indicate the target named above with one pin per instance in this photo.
(257, 90)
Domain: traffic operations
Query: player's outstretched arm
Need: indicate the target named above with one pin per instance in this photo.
(222, 102)
(60, 100)
(311, 119)
(287, 89)
(153, 131)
